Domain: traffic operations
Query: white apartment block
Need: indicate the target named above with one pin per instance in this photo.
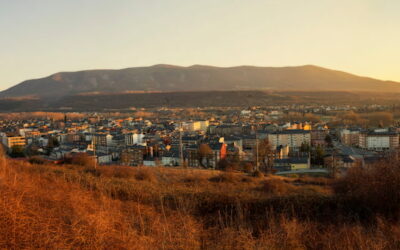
(379, 140)
(291, 138)
(133, 139)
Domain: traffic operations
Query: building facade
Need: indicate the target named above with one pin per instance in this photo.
(292, 138)
(379, 140)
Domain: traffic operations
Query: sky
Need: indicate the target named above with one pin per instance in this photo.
(42, 37)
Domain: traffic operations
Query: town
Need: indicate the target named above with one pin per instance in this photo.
(284, 140)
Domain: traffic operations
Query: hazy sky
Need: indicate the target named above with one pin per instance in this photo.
(41, 37)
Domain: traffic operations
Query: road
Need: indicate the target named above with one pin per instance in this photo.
(348, 150)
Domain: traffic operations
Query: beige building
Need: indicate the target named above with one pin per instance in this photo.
(195, 126)
(350, 137)
(379, 140)
(13, 141)
(291, 138)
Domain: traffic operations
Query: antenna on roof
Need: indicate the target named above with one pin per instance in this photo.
(180, 145)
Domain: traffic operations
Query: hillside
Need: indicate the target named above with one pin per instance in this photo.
(79, 207)
(167, 78)
(245, 98)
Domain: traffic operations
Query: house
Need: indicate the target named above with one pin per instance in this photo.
(101, 158)
(342, 161)
(171, 158)
(71, 138)
(249, 142)
(188, 140)
(132, 156)
(218, 151)
(151, 162)
(226, 129)
(234, 140)
(57, 155)
(289, 164)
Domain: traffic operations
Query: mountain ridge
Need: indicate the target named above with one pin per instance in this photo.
(166, 77)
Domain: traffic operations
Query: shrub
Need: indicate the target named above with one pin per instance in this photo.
(80, 159)
(275, 186)
(193, 178)
(117, 171)
(122, 172)
(377, 187)
(258, 174)
(36, 160)
(225, 177)
(322, 181)
(246, 179)
(227, 166)
(248, 167)
(145, 174)
(223, 164)
(93, 171)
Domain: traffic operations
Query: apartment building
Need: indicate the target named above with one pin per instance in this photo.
(195, 126)
(293, 138)
(350, 136)
(102, 139)
(133, 139)
(13, 141)
(379, 140)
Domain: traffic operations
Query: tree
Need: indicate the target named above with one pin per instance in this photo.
(328, 140)
(305, 147)
(224, 164)
(318, 155)
(379, 119)
(81, 159)
(265, 154)
(205, 154)
(247, 167)
(233, 158)
(352, 118)
(309, 117)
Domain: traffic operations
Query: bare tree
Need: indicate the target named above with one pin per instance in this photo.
(265, 154)
(204, 153)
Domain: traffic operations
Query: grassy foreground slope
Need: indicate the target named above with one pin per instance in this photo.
(70, 206)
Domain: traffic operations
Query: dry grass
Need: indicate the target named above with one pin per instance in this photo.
(145, 174)
(278, 187)
(78, 207)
